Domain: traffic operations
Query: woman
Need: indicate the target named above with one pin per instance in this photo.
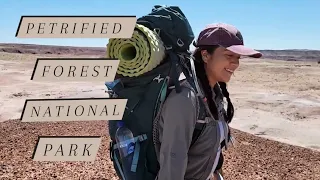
(217, 54)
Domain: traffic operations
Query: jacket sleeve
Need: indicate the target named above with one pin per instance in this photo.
(178, 119)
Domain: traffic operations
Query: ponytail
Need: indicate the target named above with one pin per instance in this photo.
(202, 76)
(230, 108)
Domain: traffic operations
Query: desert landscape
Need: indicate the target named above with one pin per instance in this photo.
(276, 124)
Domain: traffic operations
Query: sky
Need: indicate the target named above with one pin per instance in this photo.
(264, 24)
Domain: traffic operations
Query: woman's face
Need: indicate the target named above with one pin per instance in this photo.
(221, 64)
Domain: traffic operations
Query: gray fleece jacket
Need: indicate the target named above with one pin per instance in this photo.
(175, 128)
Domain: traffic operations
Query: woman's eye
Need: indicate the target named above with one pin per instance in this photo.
(229, 56)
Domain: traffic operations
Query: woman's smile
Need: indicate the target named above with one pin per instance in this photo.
(229, 70)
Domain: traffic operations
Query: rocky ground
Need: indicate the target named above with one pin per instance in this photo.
(251, 158)
(286, 92)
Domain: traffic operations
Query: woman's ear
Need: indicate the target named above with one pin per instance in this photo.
(205, 56)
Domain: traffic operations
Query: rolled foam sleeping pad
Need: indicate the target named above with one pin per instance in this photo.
(139, 54)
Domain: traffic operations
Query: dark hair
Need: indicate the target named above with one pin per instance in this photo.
(202, 76)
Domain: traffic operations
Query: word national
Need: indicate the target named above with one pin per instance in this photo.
(79, 110)
(73, 110)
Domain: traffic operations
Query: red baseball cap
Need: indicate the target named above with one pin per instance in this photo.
(227, 36)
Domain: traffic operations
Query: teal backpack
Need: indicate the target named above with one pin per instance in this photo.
(147, 93)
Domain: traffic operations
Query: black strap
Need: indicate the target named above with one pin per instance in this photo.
(197, 132)
(174, 58)
(223, 143)
(220, 162)
(199, 127)
(202, 112)
(201, 115)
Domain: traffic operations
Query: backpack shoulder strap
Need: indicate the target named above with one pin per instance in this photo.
(189, 83)
(201, 115)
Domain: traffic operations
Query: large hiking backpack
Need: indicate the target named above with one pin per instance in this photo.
(147, 92)
(171, 25)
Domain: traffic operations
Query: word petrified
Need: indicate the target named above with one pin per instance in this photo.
(65, 28)
(84, 109)
(67, 69)
(76, 26)
(66, 148)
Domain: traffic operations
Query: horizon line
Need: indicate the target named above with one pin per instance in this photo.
(106, 46)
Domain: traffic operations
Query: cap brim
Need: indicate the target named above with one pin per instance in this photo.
(245, 51)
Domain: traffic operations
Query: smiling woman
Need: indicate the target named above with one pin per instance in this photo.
(217, 54)
(222, 67)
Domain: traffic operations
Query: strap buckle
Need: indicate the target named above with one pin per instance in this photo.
(136, 152)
